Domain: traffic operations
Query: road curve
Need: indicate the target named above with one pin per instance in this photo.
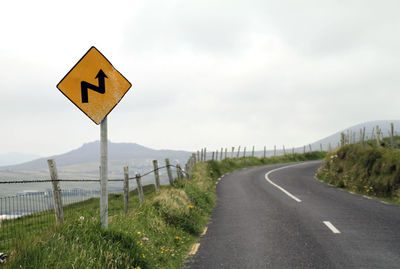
(257, 224)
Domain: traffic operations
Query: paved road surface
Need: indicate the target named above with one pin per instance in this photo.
(287, 219)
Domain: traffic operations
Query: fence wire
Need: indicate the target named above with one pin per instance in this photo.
(31, 212)
(88, 180)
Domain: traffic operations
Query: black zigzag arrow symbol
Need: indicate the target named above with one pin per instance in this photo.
(86, 85)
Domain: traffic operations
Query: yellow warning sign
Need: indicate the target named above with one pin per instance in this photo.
(94, 85)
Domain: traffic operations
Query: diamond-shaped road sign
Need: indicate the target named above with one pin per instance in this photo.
(94, 85)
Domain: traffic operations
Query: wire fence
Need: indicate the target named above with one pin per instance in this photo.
(32, 212)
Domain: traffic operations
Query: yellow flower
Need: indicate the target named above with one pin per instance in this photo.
(177, 238)
(139, 233)
(191, 206)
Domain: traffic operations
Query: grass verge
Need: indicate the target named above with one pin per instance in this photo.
(368, 170)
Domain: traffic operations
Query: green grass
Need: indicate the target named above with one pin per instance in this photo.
(221, 167)
(156, 234)
(368, 169)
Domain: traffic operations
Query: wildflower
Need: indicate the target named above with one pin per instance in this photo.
(139, 233)
(81, 218)
(177, 238)
(191, 206)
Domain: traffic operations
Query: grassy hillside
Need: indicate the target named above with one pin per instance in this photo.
(156, 234)
(367, 169)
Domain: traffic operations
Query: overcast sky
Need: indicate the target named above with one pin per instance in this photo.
(204, 73)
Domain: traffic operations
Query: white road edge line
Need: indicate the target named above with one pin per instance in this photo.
(330, 226)
(279, 187)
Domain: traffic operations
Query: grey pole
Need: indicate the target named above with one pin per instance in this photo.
(139, 188)
(391, 135)
(169, 172)
(58, 208)
(156, 175)
(104, 174)
(126, 189)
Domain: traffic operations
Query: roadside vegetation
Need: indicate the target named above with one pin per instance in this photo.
(367, 169)
(157, 234)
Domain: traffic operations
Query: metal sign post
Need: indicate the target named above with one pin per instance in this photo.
(96, 87)
(104, 173)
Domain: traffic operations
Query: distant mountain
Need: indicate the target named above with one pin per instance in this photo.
(88, 155)
(370, 126)
(16, 158)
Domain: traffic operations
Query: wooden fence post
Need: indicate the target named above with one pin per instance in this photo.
(202, 154)
(220, 157)
(178, 175)
(373, 133)
(169, 172)
(392, 135)
(361, 137)
(252, 152)
(226, 153)
(284, 150)
(205, 154)
(320, 146)
(244, 151)
(198, 155)
(378, 135)
(139, 188)
(237, 156)
(156, 175)
(126, 189)
(304, 149)
(58, 208)
(233, 151)
(265, 151)
(191, 166)
(342, 139)
(274, 150)
(216, 155)
(310, 147)
(351, 137)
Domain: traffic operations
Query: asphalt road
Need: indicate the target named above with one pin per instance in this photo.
(288, 219)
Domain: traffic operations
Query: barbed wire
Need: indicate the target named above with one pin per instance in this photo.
(88, 180)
